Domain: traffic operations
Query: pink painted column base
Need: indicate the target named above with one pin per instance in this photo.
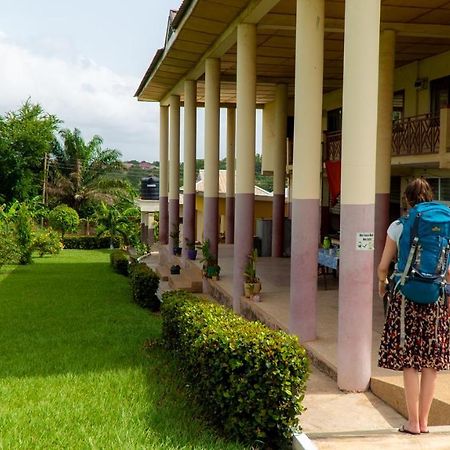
(174, 219)
(355, 300)
(304, 249)
(243, 243)
(189, 218)
(211, 223)
(278, 224)
(381, 226)
(229, 234)
(163, 220)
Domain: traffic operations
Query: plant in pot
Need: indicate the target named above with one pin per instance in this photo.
(210, 267)
(175, 235)
(252, 284)
(175, 270)
(191, 250)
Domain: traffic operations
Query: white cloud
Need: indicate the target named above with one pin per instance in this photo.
(81, 93)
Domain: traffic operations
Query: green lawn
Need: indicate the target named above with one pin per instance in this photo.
(75, 372)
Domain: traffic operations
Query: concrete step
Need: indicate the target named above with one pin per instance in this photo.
(163, 272)
(180, 282)
(389, 439)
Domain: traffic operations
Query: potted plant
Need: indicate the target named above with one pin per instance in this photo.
(210, 267)
(252, 283)
(175, 270)
(175, 235)
(191, 250)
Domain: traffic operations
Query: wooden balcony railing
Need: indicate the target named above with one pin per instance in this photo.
(412, 136)
(415, 135)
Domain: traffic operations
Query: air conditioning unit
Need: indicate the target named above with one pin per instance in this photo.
(421, 83)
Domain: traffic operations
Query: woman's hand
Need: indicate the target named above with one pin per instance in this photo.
(381, 288)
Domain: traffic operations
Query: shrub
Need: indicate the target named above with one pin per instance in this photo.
(9, 249)
(250, 379)
(119, 261)
(46, 242)
(144, 284)
(88, 242)
(23, 234)
(64, 218)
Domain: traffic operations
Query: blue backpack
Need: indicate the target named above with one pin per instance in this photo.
(423, 255)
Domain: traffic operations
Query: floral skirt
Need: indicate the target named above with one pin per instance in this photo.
(426, 343)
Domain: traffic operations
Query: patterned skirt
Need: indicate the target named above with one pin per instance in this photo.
(426, 343)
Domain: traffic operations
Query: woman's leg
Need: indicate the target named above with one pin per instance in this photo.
(412, 390)
(427, 386)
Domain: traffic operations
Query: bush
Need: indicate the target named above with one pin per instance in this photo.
(250, 379)
(64, 218)
(119, 261)
(46, 242)
(9, 249)
(88, 242)
(144, 284)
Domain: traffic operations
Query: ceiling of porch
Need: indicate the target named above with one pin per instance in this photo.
(421, 25)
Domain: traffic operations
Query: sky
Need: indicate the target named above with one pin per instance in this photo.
(83, 61)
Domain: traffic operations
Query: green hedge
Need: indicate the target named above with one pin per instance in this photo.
(250, 379)
(119, 261)
(144, 285)
(88, 242)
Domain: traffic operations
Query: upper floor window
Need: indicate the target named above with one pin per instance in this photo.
(439, 95)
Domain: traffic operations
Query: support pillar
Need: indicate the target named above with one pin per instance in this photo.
(245, 151)
(190, 138)
(174, 172)
(164, 175)
(384, 145)
(306, 167)
(279, 170)
(212, 122)
(359, 138)
(231, 155)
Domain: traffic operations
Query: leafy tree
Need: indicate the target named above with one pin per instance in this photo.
(24, 234)
(25, 136)
(83, 173)
(64, 218)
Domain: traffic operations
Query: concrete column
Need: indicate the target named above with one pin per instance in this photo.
(359, 137)
(143, 228)
(190, 139)
(174, 172)
(164, 174)
(245, 152)
(306, 167)
(231, 155)
(212, 122)
(279, 169)
(384, 145)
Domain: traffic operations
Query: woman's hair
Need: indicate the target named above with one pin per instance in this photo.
(418, 191)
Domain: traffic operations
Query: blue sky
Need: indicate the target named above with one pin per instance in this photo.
(83, 60)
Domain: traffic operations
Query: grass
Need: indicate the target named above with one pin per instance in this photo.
(75, 372)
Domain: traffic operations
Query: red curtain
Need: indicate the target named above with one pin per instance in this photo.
(333, 169)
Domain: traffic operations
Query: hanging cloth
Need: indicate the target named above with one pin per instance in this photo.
(333, 169)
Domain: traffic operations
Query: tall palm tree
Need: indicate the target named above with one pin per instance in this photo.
(83, 172)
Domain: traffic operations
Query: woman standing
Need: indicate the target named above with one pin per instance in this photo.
(425, 348)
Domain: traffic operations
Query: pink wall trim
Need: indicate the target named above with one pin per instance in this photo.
(163, 220)
(243, 243)
(174, 219)
(355, 300)
(278, 224)
(211, 223)
(304, 248)
(229, 232)
(188, 218)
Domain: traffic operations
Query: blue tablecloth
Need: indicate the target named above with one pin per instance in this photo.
(328, 258)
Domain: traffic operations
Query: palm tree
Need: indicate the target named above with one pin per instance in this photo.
(83, 173)
(117, 222)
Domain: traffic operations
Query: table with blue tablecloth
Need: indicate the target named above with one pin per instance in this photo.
(328, 259)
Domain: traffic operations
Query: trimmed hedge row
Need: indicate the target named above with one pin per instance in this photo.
(250, 379)
(119, 261)
(88, 242)
(144, 285)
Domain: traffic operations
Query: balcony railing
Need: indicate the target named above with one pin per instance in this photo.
(415, 136)
(412, 136)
